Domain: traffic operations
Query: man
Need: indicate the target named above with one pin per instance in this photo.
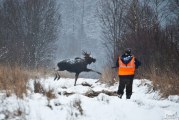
(126, 64)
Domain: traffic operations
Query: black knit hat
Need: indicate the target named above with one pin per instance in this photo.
(127, 51)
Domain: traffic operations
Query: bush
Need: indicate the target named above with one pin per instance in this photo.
(109, 76)
(167, 82)
(13, 79)
(38, 88)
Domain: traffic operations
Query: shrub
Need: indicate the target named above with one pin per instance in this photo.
(13, 79)
(167, 82)
(109, 76)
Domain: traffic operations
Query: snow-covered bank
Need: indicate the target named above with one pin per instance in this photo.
(142, 106)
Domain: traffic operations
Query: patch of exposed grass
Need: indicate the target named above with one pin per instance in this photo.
(13, 80)
(109, 76)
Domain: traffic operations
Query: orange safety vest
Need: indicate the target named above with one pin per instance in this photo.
(128, 69)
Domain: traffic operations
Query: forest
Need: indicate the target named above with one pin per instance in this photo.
(151, 29)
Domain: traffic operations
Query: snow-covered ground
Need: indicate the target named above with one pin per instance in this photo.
(144, 104)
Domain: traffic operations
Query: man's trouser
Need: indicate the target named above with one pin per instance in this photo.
(125, 81)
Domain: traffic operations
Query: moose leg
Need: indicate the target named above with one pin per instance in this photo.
(57, 76)
(90, 70)
(76, 77)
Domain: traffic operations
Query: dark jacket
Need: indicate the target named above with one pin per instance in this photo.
(126, 59)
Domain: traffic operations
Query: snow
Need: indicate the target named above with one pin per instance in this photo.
(73, 61)
(144, 104)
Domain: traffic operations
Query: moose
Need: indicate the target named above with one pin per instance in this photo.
(76, 66)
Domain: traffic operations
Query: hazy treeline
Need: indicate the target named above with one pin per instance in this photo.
(29, 29)
(80, 28)
(149, 27)
(80, 31)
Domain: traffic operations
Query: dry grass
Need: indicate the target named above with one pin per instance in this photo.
(77, 105)
(12, 115)
(39, 73)
(50, 94)
(166, 82)
(13, 80)
(75, 110)
(109, 76)
(38, 88)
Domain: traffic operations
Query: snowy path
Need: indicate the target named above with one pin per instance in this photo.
(141, 106)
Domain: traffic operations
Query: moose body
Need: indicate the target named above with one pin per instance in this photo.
(76, 65)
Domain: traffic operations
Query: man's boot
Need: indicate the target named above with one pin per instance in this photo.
(120, 96)
(128, 96)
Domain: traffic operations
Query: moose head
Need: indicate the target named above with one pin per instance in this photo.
(88, 58)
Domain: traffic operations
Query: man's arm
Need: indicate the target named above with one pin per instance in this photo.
(117, 64)
(137, 63)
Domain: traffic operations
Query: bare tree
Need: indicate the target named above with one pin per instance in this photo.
(143, 28)
(151, 29)
(112, 14)
(29, 29)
